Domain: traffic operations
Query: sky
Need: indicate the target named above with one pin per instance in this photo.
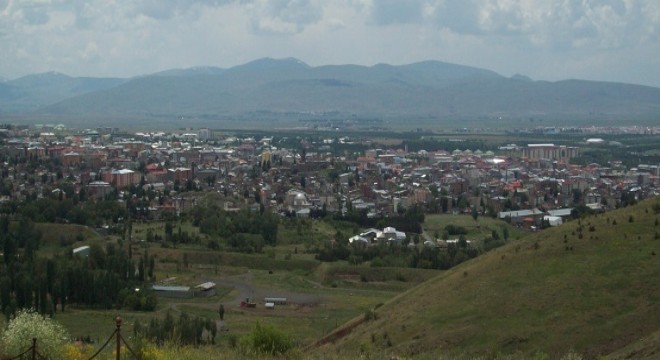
(605, 40)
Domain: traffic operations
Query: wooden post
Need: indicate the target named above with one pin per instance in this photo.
(118, 322)
(34, 348)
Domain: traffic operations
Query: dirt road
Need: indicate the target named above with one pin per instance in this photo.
(246, 289)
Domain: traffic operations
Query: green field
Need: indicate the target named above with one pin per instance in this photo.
(477, 230)
(56, 238)
(305, 324)
(335, 300)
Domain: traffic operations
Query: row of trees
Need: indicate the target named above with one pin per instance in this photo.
(104, 279)
(56, 210)
(389, 255)
(217, 223)
(408, 220)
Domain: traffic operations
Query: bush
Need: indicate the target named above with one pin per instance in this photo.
(370, 315)
(455, 230)
(51, 336)
(266, 339)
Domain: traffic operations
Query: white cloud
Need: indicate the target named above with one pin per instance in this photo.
(597, 39)
(283, 17)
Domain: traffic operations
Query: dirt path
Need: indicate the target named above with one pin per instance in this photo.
(246, 289)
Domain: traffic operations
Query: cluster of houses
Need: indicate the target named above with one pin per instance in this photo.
(521, 183)
(388, 235)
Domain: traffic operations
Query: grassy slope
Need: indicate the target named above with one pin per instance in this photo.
(56, 237)
(478, 230)
(532, 295)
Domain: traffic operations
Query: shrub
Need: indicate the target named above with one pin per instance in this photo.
(455, 230)
(266, 339)
(370, 315)
(51, 336)
(232, 340)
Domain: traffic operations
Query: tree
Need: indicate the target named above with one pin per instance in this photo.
(577, 196)
(505, 233)
(27, 324)
(141, 270)
(434, 190)
(212, 327)
(169, 228)
(400, 209)
(152, 264)
(269, 225)
(475, 214)
(462, 202)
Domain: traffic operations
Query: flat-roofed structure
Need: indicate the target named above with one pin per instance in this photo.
(537, 152)
(171, 291)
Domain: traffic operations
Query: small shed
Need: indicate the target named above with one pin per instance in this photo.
(82, 250)
(275, 300)
(553, 220)
(181, 292)
(204, 290)
(269, 305)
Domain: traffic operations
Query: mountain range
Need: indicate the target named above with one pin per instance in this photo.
(289, 87)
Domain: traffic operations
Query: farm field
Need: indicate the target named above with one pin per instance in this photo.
(321, 296)
(324, 298)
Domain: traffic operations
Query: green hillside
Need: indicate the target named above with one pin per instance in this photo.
(589, 287)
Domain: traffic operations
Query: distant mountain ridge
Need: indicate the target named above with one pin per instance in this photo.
(193, 71)
(31, 92)
(431, 89)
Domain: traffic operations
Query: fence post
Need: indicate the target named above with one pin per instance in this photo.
(118, 322)
(34, 348)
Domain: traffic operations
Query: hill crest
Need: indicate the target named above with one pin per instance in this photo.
(586, 286)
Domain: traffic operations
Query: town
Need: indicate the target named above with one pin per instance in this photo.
(532, 185)
(529, 185)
